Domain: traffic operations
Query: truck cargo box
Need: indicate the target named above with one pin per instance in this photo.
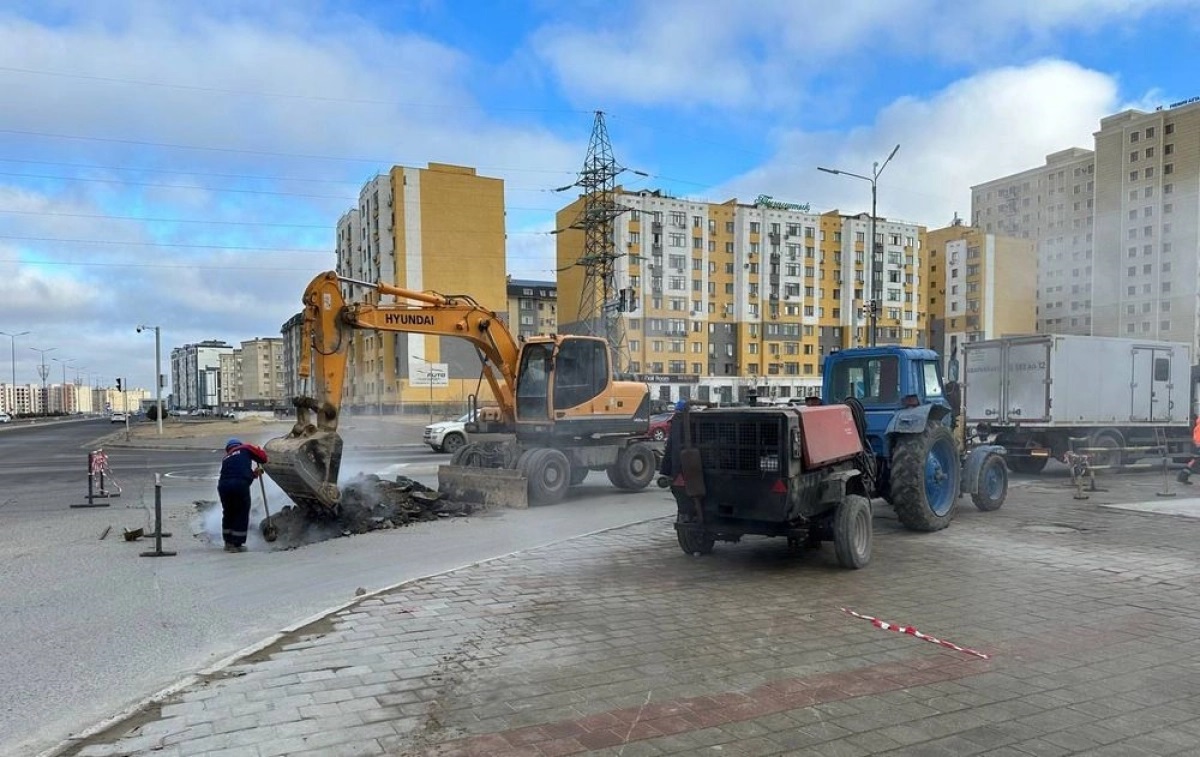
(1055, 380)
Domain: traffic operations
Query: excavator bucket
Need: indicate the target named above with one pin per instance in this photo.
(492, 487)
(306, 468)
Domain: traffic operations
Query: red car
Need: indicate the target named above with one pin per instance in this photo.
(660, 426)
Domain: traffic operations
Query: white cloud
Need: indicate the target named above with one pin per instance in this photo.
(978, 129)
(709, 53)
(282, 90)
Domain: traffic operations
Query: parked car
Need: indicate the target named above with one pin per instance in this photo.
(5, 418)
(117, 418)
(447, 436)
(660, 426)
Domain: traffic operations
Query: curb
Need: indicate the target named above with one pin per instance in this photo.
(205, 673)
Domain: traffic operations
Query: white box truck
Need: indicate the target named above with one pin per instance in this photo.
(1116, 399)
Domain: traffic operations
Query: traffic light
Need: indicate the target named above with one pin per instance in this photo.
(119, 385)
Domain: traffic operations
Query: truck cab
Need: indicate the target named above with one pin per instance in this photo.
(900, 389)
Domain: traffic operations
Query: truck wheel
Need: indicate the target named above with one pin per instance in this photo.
(993, 484)
(578, 474)
(549, 474)
(453, 442)
(1105, 452)
(1018, 458)
(695, 542)
(925, 478)
(634, 468)
(852, 532)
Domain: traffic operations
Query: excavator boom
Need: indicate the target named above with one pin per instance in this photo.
(305, 463)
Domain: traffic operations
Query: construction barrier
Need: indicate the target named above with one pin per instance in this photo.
(99, 476)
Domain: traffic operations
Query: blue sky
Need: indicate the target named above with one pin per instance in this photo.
(185, 166)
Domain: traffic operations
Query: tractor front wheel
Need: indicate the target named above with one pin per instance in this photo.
(925, 478)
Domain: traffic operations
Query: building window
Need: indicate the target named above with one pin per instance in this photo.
(1133, 136)
(1169, 129)
(1169, 168)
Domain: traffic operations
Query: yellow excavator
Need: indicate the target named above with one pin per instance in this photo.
(560, 412)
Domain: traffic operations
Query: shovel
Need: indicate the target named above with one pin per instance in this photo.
(269, 530)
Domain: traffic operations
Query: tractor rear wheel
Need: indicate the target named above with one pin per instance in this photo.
(634, 468)
(925, 478)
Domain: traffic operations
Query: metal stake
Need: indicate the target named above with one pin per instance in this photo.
(158, 532)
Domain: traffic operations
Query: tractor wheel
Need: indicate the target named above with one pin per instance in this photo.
(852, 532)
(993, 484)
(470, 456)
(578, 474)
(634, 468)
(695, 543)
(925, 478)
(453, 442)
(549, 474)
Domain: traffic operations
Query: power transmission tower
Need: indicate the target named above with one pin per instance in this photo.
(600, 302)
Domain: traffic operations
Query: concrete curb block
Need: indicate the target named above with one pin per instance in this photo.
(232, 659)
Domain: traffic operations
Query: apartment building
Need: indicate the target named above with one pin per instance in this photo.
(532, 307)
(196, 374)
(1115, 226)
(719, 298)
(262, 371)
(230, 381)
(439, 228)
(981, 286)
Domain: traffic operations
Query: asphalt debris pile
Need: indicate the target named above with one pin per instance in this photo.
(368, 503)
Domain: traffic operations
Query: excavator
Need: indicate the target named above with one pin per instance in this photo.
(559, 412)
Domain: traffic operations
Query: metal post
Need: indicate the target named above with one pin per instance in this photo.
(158, 377)
(92, 496)
(12, 355)
(873, 308)
(158, 532)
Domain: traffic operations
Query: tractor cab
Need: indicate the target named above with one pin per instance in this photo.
(900, 389)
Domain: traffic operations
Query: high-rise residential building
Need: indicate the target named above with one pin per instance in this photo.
(196, 372)
(230, 366)
(719, 298)
(437, 229)
(1116, 227)
(532, 307)
(262, 371)
(981, 286)
(293, 385)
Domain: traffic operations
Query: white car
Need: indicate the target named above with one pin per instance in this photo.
(447, 436)
(117, 418)
(5, 418)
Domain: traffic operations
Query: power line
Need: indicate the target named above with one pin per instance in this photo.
(284, 95)
(245, 151)
(189, 266)
(262, 224)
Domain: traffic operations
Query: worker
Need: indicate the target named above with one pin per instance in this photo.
(1186, 473)
(233, 487)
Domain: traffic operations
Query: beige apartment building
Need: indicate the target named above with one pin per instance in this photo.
(723, 297)
(532, 307)
(440, 229)
(262, 371)
(1115, 226)
(981, 286)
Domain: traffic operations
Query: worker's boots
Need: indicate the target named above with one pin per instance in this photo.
(1183, 477)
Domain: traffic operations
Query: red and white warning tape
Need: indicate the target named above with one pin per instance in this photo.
(886, 626)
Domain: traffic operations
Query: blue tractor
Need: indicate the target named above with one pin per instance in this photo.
(902, 412)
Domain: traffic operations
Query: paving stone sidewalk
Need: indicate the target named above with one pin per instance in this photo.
(619, 644)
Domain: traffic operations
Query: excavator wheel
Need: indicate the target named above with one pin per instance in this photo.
(634, 468)
(469, 455)
(549, 474)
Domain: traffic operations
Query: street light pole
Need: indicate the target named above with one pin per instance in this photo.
(12, 354)
(43, 371)
(873, 307)
(158, 376)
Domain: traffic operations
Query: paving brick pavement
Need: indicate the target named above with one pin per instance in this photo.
(618, 644)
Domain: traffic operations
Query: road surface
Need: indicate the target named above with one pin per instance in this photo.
(89, 626)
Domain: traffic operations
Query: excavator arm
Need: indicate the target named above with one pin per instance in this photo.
(306, 462)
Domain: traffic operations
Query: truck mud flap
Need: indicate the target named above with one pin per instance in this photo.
(491, 487)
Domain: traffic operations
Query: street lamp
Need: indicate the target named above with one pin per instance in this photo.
(12, 353)
(43, 371)
(876, 170)
(63, 390)
(157, 374)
